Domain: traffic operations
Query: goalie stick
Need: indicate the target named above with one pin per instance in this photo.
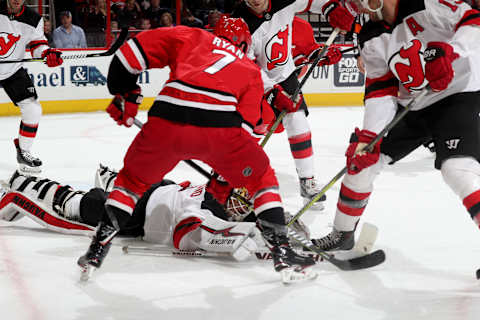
(320, 55)
(363, 246)
(120, 40)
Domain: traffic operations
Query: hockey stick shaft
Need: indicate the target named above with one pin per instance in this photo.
(320, 55)
(120, 40)
(367, 148)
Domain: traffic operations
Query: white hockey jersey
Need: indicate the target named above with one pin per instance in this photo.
(272, 36)
(393, 55)
(17, 32)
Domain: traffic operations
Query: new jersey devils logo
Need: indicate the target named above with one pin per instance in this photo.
(8, 42)
(276, 49)
(407, 65)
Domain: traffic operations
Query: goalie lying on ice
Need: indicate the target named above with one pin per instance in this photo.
(179, 215)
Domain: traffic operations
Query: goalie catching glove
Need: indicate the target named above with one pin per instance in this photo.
(123, 109)
(281, 100)
(358, 160)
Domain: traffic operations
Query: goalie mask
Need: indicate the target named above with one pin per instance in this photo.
(235, 30)
(236, 209)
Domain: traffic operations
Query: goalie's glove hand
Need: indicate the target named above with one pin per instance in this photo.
(333, 56)
(53, 57)
(123, 109)
(281, 100)
(358, 160)
(338, 15)
(438, 64)
(220, 189)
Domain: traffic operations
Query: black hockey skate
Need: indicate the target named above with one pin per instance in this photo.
(27, 163)
(97, 251)
(293, 266)
(336, 240)
(308, 189)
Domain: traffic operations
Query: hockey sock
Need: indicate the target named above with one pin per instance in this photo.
(350, 207)
(26, 135)
(274, 215)
(300, 139)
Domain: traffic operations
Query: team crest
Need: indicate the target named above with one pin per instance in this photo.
(8, 43)
(408, 64)
(276, 50)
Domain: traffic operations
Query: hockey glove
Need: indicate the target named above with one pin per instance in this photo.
(356, 160)
(53, 57)
(123, 109)
(281, 100)
(337, 15)
(438, 64)
(220, 189)
(333, 56)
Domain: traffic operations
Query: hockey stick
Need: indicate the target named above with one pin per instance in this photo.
(120, 40)
(320, 55)
(367, 148)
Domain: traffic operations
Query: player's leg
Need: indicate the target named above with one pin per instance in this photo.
(20, 89)
(300, 140)
(150, 156)
(456, 133)
(242, 162)
(355, 190)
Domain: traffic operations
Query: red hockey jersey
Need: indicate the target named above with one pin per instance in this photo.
(211, 82)
(303, 40)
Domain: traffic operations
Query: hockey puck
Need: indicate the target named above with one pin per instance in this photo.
(478, 274)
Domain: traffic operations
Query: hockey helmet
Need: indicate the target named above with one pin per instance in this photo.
(235, 208)
(235, 30)
(358, 6)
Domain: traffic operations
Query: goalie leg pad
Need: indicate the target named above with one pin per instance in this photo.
(216, 235)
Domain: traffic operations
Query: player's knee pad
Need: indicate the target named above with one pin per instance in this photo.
(31, 110)
(92, 206)
(462, 175)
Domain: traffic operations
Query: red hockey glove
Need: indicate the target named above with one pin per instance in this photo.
(53, 57)
(337, 15)
(124, 109)
(220, 189)
(356, 160)
(281, 100)
(438, 67)
(333, 56)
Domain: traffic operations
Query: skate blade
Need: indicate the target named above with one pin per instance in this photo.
(297, 274)
(86, 272)
(29, 171)
(317, 206)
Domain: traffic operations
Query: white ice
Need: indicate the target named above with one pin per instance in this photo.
(431, 244)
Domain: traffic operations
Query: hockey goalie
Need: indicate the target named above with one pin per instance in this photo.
(181, 216)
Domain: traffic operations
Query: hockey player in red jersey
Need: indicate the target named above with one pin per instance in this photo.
(21, 27)
(407, 47)
(270, 23)
(202, 112)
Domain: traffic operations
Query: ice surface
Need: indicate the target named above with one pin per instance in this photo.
(432, 246)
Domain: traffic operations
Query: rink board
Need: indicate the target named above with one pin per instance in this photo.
(80, 85)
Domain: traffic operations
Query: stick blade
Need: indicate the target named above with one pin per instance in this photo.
(367, 261)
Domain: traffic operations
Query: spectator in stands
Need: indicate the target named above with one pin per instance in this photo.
(189, 20)
(132, 12)
(166, 20)
(213, 17)
(144, 5)
(155, 12)
(95, 23)
(47, 30)
(69, 35)
(145, 24)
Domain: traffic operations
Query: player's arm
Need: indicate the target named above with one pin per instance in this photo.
(338, 16)
(39, 47)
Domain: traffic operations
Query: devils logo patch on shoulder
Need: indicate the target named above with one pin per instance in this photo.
(8, 43)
